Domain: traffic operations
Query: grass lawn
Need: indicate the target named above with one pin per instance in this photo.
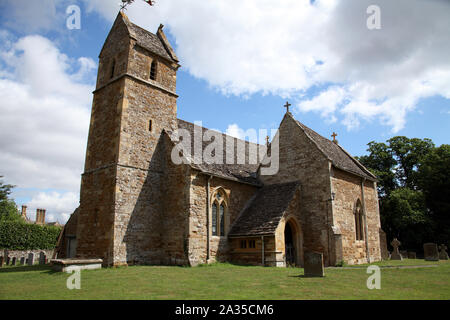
(225, 281)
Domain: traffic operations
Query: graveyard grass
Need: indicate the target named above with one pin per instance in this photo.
(226, 281)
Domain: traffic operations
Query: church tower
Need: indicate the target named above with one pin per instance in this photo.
(134, 101)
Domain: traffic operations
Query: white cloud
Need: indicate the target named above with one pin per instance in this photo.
(32, 16)
(58, 206)
(44, 124)
(288, 47)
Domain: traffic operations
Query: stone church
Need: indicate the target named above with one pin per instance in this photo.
(138, 207)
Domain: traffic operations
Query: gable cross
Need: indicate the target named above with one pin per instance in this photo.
(287, 105)
(334, 135)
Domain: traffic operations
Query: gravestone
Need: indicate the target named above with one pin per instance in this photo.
(13, 261)
(314, 264)
(395, 255)
(22, 260)
(1, 261)
(430, 251)
(412, 255)
(404, 254)
(30, 259)
(42, 258)
(443, 255)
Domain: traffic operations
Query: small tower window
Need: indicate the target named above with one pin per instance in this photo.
(153, 70)
(113, 67)
(150, 127)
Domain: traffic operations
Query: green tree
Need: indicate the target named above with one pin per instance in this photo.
(433, 178)
(381, 163)
(405, 216)
(8, 208)
(413, 189)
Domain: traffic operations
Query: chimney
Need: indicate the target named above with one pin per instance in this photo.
(40, 216)
(24, 212)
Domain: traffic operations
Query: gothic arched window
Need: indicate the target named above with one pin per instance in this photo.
(153, 70)
(218, 212)
(358, 221)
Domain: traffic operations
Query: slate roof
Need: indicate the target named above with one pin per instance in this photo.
(240, 172)
(264, 212)
(340, 158)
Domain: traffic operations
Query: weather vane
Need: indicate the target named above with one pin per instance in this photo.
(125, 3)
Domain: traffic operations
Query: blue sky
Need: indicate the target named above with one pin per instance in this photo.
(240, 64)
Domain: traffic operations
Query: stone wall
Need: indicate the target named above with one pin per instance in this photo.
(301, 160)
(347, 189)
(237, 195)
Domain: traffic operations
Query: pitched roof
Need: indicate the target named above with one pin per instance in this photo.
(150, 41)
(340, 158)
(240, 172)
(263, 214)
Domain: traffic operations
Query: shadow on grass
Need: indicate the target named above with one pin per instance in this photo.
(26, 269)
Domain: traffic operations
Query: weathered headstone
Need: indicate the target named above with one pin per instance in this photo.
(42, 258)
(314, 264)
(443, 255)
(430, 251)
(412, 255)
(22, 260)
(404, 254)
(395, 255)
(30, 259)
(1, 261)
(13, 261)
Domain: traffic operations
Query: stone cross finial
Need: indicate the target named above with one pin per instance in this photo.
(334, 135)
(267, 140)
(443, 247)
(287, 105)
(395, 255)
(395, 243)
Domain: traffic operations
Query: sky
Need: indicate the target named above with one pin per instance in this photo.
(366, 74)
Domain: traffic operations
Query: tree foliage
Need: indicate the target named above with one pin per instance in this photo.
(8, 208)
(414, 189)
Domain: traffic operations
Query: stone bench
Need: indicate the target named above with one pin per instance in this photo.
(65, 265)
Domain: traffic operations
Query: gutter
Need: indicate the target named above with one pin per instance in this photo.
(208, 185)
(366, 229)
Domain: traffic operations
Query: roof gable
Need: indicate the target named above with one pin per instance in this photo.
(155, 43)
(339, 157)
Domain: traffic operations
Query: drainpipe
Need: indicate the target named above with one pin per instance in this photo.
(262, 250)
(208, 184)
(366, 229)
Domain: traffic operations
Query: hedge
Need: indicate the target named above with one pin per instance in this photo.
(15, 235)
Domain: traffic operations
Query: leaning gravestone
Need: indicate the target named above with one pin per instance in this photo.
(42, 258)
(22, 260)
(443, 255)
(430, 251)
(30, 259)
(314, 264)
(395, 253)
(412, 255)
